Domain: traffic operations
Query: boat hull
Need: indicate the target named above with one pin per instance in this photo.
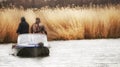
(32, 51)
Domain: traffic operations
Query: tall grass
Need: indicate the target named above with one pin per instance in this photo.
(64, 23)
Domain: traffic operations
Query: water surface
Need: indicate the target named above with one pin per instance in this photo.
(73, 53)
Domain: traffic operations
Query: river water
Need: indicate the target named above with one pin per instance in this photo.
(73, 53)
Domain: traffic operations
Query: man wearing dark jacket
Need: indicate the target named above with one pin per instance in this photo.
(23, 27)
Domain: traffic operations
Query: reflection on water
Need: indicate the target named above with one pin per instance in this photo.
(79, 53)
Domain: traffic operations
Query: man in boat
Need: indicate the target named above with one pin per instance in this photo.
(23, 27)
(38, 27)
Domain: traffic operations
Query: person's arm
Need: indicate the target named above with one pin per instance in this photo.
(44, 30)
(33, 28)
(19, 29)
(27, 28)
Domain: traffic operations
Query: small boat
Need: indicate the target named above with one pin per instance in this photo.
(31, 45)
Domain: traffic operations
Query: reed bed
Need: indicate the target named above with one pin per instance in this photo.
(64, 23)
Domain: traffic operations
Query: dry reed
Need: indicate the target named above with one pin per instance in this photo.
(64, 23)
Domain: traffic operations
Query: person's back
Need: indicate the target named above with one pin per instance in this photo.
(23, 27)
(35, 28)
(38, 27)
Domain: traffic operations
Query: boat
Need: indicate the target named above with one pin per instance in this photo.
(31, 45)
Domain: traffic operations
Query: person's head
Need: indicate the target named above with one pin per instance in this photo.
(23, 19)
(37, 20)
(41, 44)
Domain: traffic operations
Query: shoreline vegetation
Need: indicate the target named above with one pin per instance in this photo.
(64, 23)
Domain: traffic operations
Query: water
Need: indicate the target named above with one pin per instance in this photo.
(74, 53)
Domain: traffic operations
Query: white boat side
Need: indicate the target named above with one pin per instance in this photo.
(31, 40)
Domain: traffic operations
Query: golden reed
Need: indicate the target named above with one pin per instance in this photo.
(64, 23)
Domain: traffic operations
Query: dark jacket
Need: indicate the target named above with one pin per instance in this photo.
(23, 28)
